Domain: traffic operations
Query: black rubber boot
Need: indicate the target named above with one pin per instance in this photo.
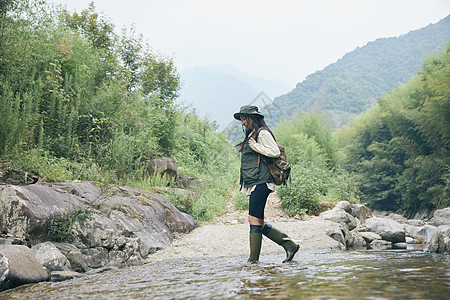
(255, 243)
(281, 239)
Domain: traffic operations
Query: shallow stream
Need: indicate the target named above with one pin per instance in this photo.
(388, 274)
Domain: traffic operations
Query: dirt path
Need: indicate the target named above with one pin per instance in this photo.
(227, 235)
(272, 213)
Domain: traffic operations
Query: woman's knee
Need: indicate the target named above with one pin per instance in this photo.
(255, 221)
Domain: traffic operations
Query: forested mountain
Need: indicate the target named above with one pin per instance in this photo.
(399, 151)
(218, 91)
(348, 87)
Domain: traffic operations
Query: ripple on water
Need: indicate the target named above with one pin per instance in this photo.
(312, 275)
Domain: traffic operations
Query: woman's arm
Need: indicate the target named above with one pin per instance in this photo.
(266, 145)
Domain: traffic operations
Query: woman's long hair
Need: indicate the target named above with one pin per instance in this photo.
(257, 123)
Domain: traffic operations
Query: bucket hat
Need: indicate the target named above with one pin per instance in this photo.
(247, 110)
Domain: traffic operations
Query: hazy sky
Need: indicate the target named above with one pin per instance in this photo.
(283, 40)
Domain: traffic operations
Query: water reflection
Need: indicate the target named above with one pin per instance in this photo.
(389, 274)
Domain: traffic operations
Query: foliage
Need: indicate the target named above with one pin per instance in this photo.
(65, 89)
(400, 150)
(313, 151)
(241, 201)
(61, 230)
(81, 102)
(312, 185)
(204, 153)
(310, 139)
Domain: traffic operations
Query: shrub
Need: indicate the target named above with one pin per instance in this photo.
(312, 187)
(241, 201)
(61, 230)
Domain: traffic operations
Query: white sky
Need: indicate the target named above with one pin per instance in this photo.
(283, 40)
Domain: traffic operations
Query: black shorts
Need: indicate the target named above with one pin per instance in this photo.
(257, 201)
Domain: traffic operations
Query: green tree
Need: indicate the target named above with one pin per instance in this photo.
(399, 151)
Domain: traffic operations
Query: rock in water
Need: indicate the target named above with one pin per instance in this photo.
(18, 266)
(440, 241)
(442, 217)
(388, 229)
(107, 224)
(50, 257)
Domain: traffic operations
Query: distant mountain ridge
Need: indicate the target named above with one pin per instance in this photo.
(216, 92)
(348, 87)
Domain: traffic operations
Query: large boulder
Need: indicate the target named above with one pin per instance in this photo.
(50, 257)
(18, 266)
(108, 225)
(398, 218)
(410, 230)
(345, 206)
(339, 216)
(356, 241)
(426, 232)
(440, 241)
(74, 255)
(361, 212)
(163, 166)
(388, 229)
(369, 237)
(334, 231)
(442, 217)
(422, 233)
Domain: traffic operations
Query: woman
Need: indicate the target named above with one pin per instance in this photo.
(256, 181)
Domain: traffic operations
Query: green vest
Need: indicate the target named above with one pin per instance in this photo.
(253, 170)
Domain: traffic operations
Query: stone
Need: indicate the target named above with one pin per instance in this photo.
(356, 241)
(398, 218)
(18, 266)
(163, 166)
(119, 219)
(419, 240)
(410, 230)
(339, 216)
(335, 232)
(369, 237)
(442, 217)
(388, 229)
(186, 182)
(361, 212)
(380, 245)
(416, 222)
(345, 206)
(57, 276)
(74, 256)
(95, 257)
(345, 231)
(399, 245)
(50, 257)
(426, 232)
(440, 240)
(410, 240)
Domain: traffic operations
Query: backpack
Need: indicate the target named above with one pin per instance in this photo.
(279, 168)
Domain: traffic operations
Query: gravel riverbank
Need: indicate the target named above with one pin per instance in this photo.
(227, 235)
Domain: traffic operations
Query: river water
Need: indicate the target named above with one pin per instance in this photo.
(388, 274)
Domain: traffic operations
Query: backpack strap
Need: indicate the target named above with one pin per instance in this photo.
(260, 156)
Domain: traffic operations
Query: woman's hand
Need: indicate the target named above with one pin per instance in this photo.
(251, 141)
